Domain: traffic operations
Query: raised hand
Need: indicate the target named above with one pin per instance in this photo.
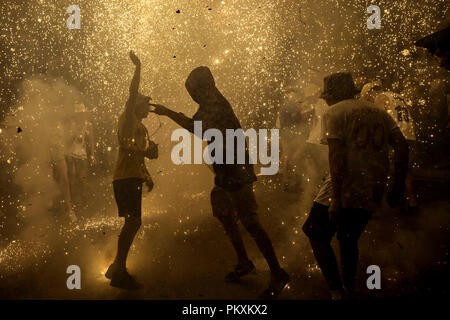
(134, 59)
(158, 109)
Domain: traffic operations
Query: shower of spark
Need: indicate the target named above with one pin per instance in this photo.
(255, 49)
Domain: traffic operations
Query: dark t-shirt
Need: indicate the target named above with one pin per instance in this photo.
(220, 115)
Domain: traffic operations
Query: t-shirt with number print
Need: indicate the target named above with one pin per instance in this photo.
(397, 107)
(365, 130)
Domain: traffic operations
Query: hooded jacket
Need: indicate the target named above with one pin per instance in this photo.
(215, 112)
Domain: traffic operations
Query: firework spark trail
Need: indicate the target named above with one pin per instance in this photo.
(255, 48)
(23, 253)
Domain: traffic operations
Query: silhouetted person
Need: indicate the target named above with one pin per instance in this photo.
(129, 175)
(232, 198)
(295, 122)
(61, 172)
(397, 106)
(358, 134)
(80, 152)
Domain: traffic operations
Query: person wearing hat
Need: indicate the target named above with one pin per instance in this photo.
(232, 198)
(129, 175)
(358, 135)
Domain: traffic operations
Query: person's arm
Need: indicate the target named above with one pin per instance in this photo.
(126, 136)
(401, 158)
(178, 117)
(134, 86)
(336, 156)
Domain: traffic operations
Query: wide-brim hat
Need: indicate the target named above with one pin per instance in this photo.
(438, 42)
(339, 86)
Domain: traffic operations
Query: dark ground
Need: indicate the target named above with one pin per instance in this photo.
(183, 253)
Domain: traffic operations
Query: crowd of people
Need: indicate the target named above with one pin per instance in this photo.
(363, 130)
(72, 153)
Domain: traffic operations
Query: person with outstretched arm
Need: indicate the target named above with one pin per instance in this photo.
(232, 198)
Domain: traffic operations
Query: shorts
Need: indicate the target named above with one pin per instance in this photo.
(235, 205)
(349, 225)
(128, 195)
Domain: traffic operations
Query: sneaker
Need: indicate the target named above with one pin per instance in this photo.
(123, 280)
(240, 270)
(111, 269)
(349, 293)
(276, 285)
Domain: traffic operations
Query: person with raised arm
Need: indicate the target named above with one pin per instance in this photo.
(129, 175)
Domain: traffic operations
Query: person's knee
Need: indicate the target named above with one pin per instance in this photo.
(317, 234)
(220, 203)
(319, 244)
(229, 224)
(253, 227)
(317, 226)
(222, 209)
(133, 223)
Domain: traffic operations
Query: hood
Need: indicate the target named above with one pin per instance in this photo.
(198, 82)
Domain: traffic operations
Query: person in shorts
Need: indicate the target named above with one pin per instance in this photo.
(129, 176)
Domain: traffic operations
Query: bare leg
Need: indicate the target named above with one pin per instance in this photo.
(223, 210)
(279, 278)
(410, 191)
(245, 202)
(62, 169)
(326, 259)
(264, 245)
(349, 260)
(126, 237)
(235, 237)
